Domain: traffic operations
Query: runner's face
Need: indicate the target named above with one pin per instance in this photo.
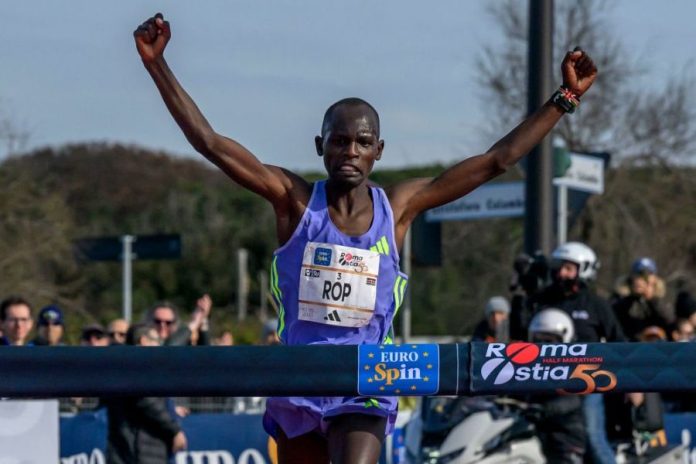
(350, 146)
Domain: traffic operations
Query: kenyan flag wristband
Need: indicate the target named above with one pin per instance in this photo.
(565, 99)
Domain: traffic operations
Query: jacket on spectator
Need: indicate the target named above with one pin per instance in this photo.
(483, 333)
(635, 313)
(592, 316)
(141, 430)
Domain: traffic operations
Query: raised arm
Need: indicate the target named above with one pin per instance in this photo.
(410, 198)
(277, 185)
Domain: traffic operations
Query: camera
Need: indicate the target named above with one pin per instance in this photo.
(532, 273)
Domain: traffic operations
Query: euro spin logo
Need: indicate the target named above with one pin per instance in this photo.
(524, 362)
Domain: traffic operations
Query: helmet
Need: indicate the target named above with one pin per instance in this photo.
(553, 321)
(580, 254)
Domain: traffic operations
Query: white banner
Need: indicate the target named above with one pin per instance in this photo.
(502, 199)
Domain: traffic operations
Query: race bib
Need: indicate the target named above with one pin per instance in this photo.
(338, 285)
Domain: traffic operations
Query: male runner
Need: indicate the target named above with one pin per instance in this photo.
(336, 274)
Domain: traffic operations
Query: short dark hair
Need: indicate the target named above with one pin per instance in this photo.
(150, 315)
(350, 101)
(12, 301)
(138, 331)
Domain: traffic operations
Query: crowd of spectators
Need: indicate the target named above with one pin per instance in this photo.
(637, 311)
(140, 429)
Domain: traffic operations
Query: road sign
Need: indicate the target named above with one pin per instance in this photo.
(501, 199)
(586, 173)
(158, 246)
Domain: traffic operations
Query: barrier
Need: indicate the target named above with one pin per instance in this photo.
(461, 369)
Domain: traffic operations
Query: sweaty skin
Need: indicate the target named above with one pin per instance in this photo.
(350, 144)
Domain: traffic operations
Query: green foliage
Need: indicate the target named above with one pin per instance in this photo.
(52, 197)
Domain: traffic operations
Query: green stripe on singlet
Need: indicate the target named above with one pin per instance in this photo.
(372, 403)
(278, 295)
(385, 244)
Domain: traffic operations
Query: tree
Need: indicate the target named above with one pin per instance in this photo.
(12, 136)
(648, 127)
(638, 123)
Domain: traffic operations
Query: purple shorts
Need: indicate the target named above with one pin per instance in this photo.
(300, 415)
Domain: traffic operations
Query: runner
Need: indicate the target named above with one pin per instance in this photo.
(336, 274)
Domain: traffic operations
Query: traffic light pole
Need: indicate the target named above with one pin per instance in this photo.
(538, 220)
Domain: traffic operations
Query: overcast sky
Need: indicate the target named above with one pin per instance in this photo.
(263, 72)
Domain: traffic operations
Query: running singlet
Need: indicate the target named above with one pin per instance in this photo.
(332, 288)
(335, 289)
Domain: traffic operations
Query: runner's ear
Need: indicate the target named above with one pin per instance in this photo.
(318, 144)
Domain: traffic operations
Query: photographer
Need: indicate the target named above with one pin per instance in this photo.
(572, 266)
(637, 300)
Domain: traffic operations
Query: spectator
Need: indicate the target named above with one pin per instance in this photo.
(269, 333)
(681, 331)
(16, 321)
(94, 335)
(118, 328)
(163, 315)
(685, 307)
(226, 339)
(494, 327)
(141, 430)
(653, 333)
(50, 326)
(637, 300)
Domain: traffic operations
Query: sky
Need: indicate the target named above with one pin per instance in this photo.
(263, 72)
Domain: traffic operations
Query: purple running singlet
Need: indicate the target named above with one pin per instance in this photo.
(335, 289)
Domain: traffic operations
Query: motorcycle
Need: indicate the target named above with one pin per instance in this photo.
(465, 430)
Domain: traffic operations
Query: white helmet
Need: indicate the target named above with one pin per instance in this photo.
(580, 254)
(553, 321)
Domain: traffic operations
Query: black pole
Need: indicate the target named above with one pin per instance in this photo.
(538, 219)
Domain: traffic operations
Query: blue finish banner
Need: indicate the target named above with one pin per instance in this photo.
(582, 368)
(398, 369)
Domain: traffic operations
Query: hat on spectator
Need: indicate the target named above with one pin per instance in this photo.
(644, 265)
(497, 304)
(50, 315)
(92, 329)
(269, 327)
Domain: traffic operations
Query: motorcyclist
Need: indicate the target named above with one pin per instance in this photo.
(560, 423)
(572, 266)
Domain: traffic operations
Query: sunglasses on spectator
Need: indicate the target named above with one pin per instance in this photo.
(120, 334)
(163, 321)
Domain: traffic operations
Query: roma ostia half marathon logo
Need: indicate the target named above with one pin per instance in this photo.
(528, 362)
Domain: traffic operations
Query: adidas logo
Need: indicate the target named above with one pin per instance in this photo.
(333, 316)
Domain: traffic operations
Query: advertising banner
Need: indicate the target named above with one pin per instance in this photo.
(582, 368)
(212, 439)
(25, 423)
